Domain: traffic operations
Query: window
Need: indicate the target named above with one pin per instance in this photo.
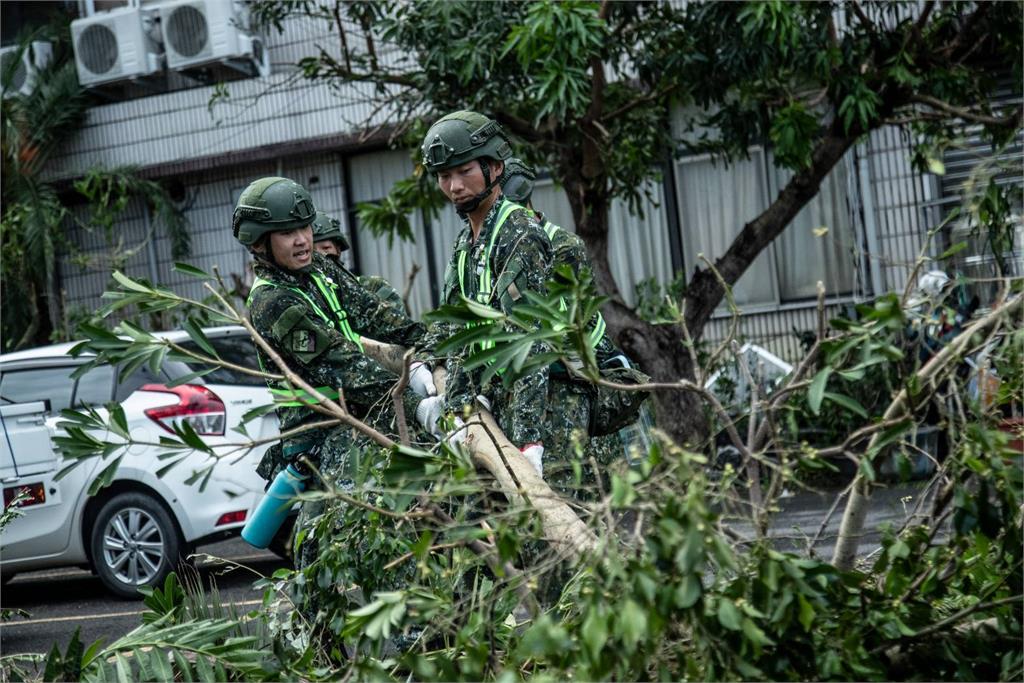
(95, 387)
(235, 350)
(25, 386)
(717, 200)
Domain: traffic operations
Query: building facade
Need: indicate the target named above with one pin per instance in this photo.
(874, 217)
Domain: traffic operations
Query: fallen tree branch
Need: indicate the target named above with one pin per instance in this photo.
(854, 514)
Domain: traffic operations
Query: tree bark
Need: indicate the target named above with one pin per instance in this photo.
(658, 349)
(492, 451)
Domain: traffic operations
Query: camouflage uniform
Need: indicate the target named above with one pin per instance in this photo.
(518, 261)
(577, 400)
(325, 353)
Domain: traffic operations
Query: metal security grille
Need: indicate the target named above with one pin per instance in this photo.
(187, 31)
(97, 49)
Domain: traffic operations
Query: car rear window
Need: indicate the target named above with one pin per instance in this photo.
(37, 384)
(238, 350)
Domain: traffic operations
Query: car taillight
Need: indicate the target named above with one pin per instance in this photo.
(198, 406)
(231, 518)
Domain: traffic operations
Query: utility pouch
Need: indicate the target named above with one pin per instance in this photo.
(614, 409)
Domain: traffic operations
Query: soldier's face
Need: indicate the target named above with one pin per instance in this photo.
(327, 248)
(292, 249)
(462, 183)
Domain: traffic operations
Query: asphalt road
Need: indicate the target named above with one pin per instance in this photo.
(62, 600)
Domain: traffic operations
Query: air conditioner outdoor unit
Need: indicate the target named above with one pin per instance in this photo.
(115, 46)
(24, 67)
(203, 32)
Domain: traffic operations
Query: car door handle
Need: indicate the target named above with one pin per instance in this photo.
(30, 420)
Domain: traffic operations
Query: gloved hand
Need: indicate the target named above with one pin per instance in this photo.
(534, 452)
(428, 414)
(457, 435)
(421, 379)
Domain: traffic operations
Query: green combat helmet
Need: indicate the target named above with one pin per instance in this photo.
(271, 205)
(517, 181)
(461, 137)
(329, 228)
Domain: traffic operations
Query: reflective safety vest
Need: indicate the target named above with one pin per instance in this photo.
(486, 283)
(339, 321)
(596, 334)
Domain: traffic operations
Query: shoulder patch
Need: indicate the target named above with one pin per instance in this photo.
(303, 341)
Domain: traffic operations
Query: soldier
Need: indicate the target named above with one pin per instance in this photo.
(331, 242)
(314, 323)
(606, 411)
(500, 254)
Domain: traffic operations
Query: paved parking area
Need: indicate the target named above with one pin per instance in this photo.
(62, 600)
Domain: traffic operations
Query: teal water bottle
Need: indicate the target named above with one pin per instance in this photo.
(270, 514)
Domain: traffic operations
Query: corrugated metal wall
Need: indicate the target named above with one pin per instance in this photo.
(178, 126)
(210, 198)
(900, 197)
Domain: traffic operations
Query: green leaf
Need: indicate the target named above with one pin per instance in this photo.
(817, 390)
(953, 250)
(845, 401)
(631, 624)
(688, 592)
(130, 284)
(728, 614)
(754, 633)
(105, 477)
(195, 332)
(936, 166)
(595, 634)
(191, 270)
(806, 616)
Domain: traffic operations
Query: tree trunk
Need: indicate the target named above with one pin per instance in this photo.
(659, 349)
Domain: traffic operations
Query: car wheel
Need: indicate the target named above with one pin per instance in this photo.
(135, 543)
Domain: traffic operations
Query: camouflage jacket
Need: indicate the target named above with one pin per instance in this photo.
(568, 249)
(285, 308)
(520, 260)
(375, 285)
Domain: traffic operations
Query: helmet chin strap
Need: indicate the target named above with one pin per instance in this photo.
(470, 205)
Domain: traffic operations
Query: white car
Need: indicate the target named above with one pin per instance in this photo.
(132, 532)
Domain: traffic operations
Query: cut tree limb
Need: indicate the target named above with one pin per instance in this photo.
(491, 450)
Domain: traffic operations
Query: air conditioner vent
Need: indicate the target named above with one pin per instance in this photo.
(200, 34)
(97, 48)
(117, 45)
(187, 32)
(20, 66)
(20, 75)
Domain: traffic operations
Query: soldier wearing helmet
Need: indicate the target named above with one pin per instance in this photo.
(329, 240)
(603, 410)
(500, 254)
(314, 321)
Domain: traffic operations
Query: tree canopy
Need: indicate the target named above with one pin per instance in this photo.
(587, 88)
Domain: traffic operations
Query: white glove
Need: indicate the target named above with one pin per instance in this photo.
(421, 379)
(428, 414)
(457, 435)
(534, 452)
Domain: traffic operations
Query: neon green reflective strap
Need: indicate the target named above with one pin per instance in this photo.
(299, 397)
(484, 295)
(327, 289)
(550, 228)
(339, 315)
(597, 333)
